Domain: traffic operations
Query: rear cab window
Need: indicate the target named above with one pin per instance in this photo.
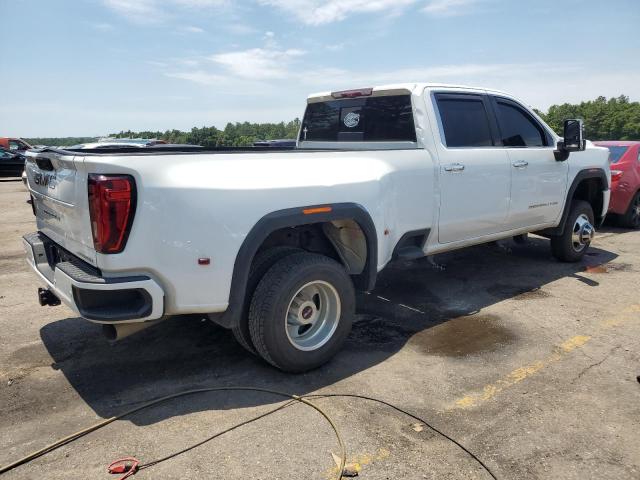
(385, 118)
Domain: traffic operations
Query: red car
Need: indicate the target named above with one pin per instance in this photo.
(624, 160)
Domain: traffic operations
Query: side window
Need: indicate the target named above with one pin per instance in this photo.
(13, 145)
(517, 127)
(464, 121)
(638, 154)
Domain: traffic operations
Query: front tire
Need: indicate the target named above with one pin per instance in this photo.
(301, 312)
(631, 219)
(578, 233)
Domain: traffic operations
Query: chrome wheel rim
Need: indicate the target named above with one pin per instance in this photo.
(313, 315)
(583, 233)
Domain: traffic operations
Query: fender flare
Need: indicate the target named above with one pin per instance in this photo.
(581, 175)
(293, 217)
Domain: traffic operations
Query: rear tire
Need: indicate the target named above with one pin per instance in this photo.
(301, 312)
(578, 233)
(260, 265)
(631, 219)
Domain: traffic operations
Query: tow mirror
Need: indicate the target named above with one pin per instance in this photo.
(573, 139)
(574, 136)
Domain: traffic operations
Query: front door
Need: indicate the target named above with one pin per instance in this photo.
(474, 172)
(538, 181)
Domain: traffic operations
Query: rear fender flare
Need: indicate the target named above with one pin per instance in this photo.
(293, 217)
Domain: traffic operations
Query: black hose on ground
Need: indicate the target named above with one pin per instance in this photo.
(293, 399)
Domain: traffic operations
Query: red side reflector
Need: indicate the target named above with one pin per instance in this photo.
(310, 211)
(362, 92)
(111, 208)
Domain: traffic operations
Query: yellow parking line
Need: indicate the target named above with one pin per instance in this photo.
(519, 374)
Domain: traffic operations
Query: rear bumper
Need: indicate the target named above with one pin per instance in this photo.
(89, 294)
(621, 195)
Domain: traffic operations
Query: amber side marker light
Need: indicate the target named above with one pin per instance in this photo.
(311, 211)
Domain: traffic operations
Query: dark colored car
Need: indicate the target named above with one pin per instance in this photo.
(11, 163)
(624, 160)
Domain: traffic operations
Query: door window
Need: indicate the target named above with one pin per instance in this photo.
(517, 127)
(465, 122)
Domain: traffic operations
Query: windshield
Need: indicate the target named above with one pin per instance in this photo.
(616, 153)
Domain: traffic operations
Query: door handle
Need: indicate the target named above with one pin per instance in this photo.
(520, 164)
(454, 167)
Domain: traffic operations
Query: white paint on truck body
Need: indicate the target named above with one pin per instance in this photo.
(194, 205)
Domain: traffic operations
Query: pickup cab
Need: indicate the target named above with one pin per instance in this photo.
(272, 243)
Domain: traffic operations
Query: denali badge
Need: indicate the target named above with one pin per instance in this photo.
(44, 179)
(351, 119)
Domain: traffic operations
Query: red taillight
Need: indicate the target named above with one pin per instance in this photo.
(111, 207)
(363, 92)
(616, 174)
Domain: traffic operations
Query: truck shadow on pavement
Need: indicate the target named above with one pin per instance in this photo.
(410, 299)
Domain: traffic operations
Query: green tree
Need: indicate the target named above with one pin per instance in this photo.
(612, 119)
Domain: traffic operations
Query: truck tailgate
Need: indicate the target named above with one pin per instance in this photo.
(59, 192)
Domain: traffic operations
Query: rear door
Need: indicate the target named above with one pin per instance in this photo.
(474, 172)
(538, 181)
(60, 202)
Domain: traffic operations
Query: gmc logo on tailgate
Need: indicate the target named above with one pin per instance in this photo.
(43, 179)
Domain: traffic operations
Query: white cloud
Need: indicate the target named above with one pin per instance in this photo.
(448, 8)
(320, 12)
(138, 11)
(201, 77)
(240, 29)
(336, 47)
(192, 29)
(538, 84)
(257, 63)
(202, 3)
(155, 63)
(153, 11)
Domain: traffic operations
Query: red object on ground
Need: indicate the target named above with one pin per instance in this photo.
(126, 465)
(625, 174)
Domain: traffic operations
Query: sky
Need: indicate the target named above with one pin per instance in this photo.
(94, 67)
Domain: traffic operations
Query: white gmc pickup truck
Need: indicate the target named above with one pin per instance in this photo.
(272, 243)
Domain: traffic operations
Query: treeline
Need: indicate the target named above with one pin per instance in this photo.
(605, 119)
(612, 119)
(233, 135)
(60, 141)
